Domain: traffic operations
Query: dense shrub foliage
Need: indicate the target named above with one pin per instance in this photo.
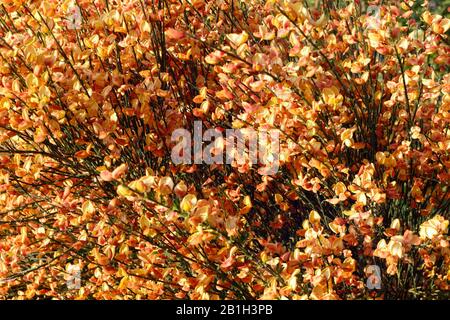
(88, 107)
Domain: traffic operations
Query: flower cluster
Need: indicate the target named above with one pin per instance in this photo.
(87, 111)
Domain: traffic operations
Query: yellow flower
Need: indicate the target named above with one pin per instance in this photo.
(433, 227)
